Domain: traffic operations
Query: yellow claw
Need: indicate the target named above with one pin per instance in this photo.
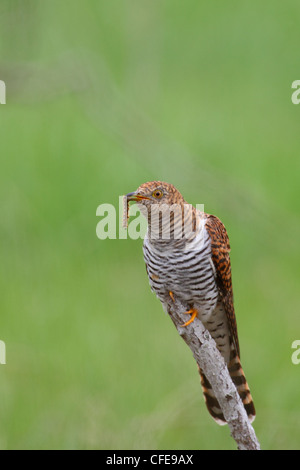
(194, 313)
(171, 295)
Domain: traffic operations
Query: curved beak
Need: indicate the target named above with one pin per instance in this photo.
(135, 197)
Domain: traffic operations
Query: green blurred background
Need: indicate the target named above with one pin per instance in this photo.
(102, 96)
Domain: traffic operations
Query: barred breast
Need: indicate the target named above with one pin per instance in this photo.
(187, 272)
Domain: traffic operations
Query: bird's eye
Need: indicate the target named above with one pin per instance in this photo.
(157, 193)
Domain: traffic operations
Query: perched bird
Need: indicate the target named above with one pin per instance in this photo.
(186, 252)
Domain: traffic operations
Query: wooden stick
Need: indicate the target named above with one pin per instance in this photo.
(214, 367)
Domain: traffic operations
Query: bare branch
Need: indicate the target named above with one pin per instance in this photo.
(213, 365)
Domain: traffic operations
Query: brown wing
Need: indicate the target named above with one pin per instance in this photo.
(220, 249)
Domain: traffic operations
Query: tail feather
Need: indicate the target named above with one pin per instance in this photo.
(238, 377)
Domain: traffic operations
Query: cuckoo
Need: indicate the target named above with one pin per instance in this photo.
(186, 252)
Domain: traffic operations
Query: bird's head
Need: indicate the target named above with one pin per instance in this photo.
(156, 193)
(169, 216)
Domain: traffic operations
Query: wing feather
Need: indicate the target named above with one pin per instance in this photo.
(220, 249)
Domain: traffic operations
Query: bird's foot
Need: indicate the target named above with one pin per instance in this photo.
(171, 295)
(192, 312)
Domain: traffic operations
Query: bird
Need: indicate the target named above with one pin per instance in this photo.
(186, 252)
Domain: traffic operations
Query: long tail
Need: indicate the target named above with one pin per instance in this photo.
(239, 380)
